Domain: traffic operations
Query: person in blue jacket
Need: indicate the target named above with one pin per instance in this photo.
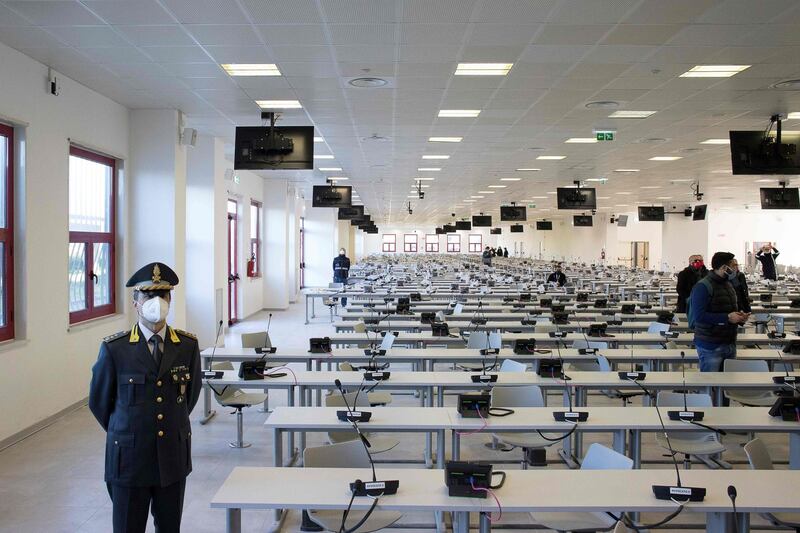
(144, 384)
(714, 313)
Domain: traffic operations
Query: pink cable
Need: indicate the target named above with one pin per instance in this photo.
(485, 423)
(496, 499)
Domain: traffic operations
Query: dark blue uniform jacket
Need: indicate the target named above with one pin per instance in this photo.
(144, 409)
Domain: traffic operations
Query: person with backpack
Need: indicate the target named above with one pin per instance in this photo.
(714, 314)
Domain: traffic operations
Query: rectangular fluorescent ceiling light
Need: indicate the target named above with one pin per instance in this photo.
(581, 140)
(330, 169)
(626, 170)
(486, 192)
(428, 169)
(251, 69)
(663, 197)
(469, 201)
(650, 187)
(714, 71)
(476, 196)
(459, 113)
(716, 141)
(551, 157)
(510, 179)
(624, 193)
(423, 179)
(337, 178)
(622, 205)
(631, 114)
(279, 104)
(598, 180)
(323, 156)
(665, 158)
(319, 140)
(497, 186)
(539, 197)
(435, 157)
(483, 69)
(603, 197)
(444, 139)
(794, 115)
(528, 169)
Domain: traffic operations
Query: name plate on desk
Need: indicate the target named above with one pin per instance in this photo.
(354, 416)
(682, 494)
(376, 376)
(571, 416)
(484, 378)
(634, 376)
(784, 379)
(685, 415)
(213, 374)
(374, 488)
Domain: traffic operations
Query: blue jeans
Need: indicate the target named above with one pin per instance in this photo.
(712, 357)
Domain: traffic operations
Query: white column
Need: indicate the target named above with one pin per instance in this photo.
(276, 238)
(157, 174)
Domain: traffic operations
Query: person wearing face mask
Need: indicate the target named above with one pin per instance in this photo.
(687, 278)
(557, 277)
(341, 269)
(740, 286)
(714, 314)
(767, 256)
(145, 383)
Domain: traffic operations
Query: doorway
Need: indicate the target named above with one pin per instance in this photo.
(640, 254)
(302, 253)
(233, 270)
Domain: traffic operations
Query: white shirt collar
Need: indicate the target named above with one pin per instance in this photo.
(147, 333)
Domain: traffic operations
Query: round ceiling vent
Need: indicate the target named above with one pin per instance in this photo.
(368, 82)
(602, 104)
(789, 85)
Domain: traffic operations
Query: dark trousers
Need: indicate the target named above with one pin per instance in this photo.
(131, 505)
(344, 281)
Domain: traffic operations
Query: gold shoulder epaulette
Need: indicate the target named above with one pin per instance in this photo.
(116, 336)
(186, 334)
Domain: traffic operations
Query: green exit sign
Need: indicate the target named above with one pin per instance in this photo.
(604, 135)
(531, 206)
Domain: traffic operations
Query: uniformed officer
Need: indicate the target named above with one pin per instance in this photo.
(145, 383)
(341, 269)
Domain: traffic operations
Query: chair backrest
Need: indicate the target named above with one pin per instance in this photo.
(439, 316)
(780, 366)
(758, 455)
(742, 365)
(509, 365)
(580, 343)
(346, 367)
(349, 454)
(525, 396)
(657, 327)
(360, 327)
(675, 399)
(387, 342)
(478, 340)
(600, 457)
(222, 365)
(603, 363)
(335, 400)
(495, 340)
(253, 340)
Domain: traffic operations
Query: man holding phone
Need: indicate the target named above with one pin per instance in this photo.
(714, 313)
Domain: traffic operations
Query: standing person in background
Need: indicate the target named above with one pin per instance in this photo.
(557, 277)
(499, 252)
(505, 252)
(767, 256)
(740, 286)
(687, 278)
(714, 314)
(341, 269)
(486, 256)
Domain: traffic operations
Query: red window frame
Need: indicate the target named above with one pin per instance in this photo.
(433, 244)
(91, 238)
(454, 247)
(475, 246)
(255, 243)
(410, 246)
(389, 246)
(7, 238)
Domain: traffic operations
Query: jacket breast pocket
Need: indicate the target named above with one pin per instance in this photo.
(132, 388)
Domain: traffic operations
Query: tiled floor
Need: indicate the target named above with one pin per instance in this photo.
(53, 481)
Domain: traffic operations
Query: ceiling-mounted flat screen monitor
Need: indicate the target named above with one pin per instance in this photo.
(582, 220)
(439, 231)
(516, 228)
(332, 196)
(351, 213)
(449, 228)
(463, 225)
(622, 221)
(699, 212)
(371, 229)
(651, 213)
(496, 231)
(513, 213)
(572, 198)
(279, 148)
(779, 198)
(753, 153)
(544, 225)
(482, 221)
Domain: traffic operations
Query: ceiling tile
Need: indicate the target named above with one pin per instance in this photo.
(298, 34)
(241, 54)
(591, 11)
(674, 11)
(363, 34)
(642, 34)
(117, 54)
(53, 12)
(175, 54)
(28, 37)
(296, 11)
(224, 34)
(129, 11)
(206, 11)
(433, 34)
(572, 34)
(516, 12)
(171, 35)
(10, 18)
(439, 11)
(361, 10)
(88, 36)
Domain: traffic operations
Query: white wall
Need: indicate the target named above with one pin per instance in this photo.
(48, 367)
(683, 237)
(321, 245)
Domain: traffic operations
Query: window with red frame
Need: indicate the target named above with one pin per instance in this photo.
(431, 243)
(410, 242)
(6, 232)
(453, 242)
(92, 230)
(389, 242)
(475, 242)
(254, 262)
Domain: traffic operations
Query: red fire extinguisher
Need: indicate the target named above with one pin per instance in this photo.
(251, 267)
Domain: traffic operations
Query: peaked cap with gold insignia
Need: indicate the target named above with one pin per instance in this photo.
(153, 277)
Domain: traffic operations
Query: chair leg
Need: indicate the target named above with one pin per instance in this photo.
(239, 443)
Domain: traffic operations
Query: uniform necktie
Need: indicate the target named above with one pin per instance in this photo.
(155, 342)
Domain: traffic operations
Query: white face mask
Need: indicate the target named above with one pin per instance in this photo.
(155, 309)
